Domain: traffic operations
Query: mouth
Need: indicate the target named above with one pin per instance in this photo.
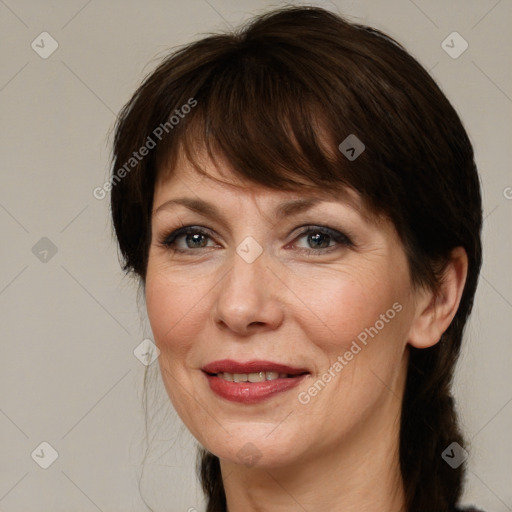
(252, 381)
(255, 371)
(261, 376)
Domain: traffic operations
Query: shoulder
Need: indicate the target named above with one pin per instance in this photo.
(468, 509)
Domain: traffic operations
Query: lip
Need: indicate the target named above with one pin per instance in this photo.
(230, 366)
(251, 392)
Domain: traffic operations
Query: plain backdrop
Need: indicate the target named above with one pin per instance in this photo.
(71, 321)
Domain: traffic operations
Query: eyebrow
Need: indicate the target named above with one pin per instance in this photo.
(205, 208)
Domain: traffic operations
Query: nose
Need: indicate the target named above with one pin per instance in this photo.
(248, 298)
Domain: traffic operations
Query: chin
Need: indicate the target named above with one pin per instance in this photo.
(253, 455)
(251, 445)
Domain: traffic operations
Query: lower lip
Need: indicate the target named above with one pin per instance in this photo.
(251, 392)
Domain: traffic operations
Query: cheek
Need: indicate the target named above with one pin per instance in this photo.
(173, 306)
(357, 337)
(344, 306)
(175, 311)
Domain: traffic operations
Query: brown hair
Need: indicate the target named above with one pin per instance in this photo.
(263, 96)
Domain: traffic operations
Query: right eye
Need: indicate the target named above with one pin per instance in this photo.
(194, 237)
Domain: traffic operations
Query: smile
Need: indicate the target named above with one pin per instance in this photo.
(252, 377)
(253, 381)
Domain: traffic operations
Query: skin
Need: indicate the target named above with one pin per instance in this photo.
(340, 450)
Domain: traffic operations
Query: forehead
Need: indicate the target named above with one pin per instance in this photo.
(216, 181)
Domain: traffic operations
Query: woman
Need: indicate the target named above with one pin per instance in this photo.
(301, 204)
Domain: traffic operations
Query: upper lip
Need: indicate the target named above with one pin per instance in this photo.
(230, 366)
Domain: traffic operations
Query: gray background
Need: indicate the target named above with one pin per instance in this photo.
(70, 322)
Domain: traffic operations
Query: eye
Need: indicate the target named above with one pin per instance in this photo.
(322, 239)
(193, 237)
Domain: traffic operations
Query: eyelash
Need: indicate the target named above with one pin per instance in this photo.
(168, 240)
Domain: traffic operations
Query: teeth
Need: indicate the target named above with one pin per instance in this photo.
(256, 377)
(251, 377)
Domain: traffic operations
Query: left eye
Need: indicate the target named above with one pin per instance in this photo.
(322, 238)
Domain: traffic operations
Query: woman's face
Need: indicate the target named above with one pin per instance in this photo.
(248, 290)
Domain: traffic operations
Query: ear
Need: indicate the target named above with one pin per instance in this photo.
(435, 312)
